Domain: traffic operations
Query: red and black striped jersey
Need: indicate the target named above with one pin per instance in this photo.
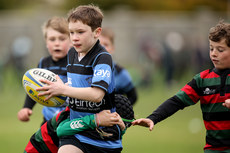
(211, 87)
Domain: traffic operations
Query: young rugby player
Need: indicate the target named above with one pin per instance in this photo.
(56, 34)
(212, 88)
(91, 83)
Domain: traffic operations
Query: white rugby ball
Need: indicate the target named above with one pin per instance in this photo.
(31, 81)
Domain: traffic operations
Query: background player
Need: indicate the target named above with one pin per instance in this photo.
(56, 34)
(123, 80)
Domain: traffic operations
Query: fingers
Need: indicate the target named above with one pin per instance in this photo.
(136, 122)
(227, 103)
(45, 81)
(144, 122)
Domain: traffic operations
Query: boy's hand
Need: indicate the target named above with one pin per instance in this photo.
(144, 122)
(227, 103)
(106, 118)
(24, 114)
(52, 89)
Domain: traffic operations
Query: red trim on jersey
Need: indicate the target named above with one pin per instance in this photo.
(66, 109)
(210, 147)
(47, 139)
(191, 93)
(30, 148)
(205, 74)
(217, 125)
(211, 99)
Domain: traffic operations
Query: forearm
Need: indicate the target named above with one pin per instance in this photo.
(93, 94)
(71, 127)
(166, 109)
(29, 103)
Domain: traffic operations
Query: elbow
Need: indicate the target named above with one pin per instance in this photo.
(97, 94)
(98, 98)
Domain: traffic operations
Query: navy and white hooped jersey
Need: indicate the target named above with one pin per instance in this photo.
(60, 69)
(95, 69)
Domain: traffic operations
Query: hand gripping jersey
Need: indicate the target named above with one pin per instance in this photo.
(46, 139)
(210, 87)
(95, 69)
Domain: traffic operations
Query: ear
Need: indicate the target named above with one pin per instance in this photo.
(97, 32)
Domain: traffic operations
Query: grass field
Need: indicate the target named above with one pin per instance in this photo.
(181, 133)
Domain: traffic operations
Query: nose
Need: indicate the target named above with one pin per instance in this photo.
(75, 37)
(214, 52)
(57, 42)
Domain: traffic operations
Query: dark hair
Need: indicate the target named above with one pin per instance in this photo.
(219, 32)
(87, 14)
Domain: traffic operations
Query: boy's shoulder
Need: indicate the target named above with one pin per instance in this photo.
(208, 73)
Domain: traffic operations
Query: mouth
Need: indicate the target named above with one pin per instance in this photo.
(215, 61)
(57, 50)
(76, 44)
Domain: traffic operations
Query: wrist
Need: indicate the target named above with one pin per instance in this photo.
(97, 120)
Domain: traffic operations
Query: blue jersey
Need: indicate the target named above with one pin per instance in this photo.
(124, 84)
(95, 69)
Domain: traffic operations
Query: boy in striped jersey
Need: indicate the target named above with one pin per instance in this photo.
(56, 34)
(90, 89)
(212, 88)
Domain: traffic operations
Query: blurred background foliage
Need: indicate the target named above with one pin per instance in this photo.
(140, 5)
(162, 43)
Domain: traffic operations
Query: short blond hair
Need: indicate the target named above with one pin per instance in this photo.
(59, 24)
(108, 33)
(90, 15)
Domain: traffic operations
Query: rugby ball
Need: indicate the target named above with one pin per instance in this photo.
(31, 81)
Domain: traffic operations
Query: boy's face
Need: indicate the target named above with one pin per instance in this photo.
(57, 43)
(82, 37)
(220, 54)
(105, 41)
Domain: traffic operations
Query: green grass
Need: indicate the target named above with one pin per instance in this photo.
(171, 135)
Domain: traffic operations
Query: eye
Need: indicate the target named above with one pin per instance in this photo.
(62, 38)
(51, 39)
(220, 49)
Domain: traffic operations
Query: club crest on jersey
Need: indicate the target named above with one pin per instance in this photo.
(102, 73)
(76, 124)
(208, 91)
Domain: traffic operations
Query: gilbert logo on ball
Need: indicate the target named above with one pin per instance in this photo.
(31, 81)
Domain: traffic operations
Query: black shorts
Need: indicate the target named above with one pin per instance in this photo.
(86, 148)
